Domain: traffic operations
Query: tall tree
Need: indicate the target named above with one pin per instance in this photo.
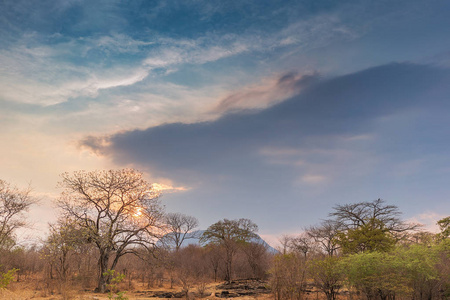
(229, 234)
(370, 226)
(13, 203)
(117, 209)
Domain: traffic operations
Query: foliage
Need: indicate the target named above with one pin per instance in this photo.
(444, 225)
(369, 226)
(115, 279)
(6, 278)
(370, 236)
(375, 274)
(328, 275)
(407, 270)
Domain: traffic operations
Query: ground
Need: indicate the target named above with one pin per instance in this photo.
(25, 291)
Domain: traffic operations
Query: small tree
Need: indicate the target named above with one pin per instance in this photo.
(444, 226)
(288, 276)
(117, 209)
(13, 203)
(65, 236)
(325, 235)
(328, 275)
(229, 234)
(180, 227)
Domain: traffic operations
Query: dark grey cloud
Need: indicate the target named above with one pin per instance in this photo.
(342, 106)
(379, 133)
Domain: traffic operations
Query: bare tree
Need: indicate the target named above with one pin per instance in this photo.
(229, 234)
(284, 241)
(118, 210)
(302, 243)
(60, 245)
(13, 203)
(181, 228)
(325, 236)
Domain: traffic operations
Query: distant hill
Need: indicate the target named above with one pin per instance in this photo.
(193, 238)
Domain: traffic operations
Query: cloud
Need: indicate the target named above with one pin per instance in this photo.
(429, 220)
(325, 127)
(267, 93)
(36, 75)
(312, 179)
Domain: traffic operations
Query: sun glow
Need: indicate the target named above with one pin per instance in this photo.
(138, 212)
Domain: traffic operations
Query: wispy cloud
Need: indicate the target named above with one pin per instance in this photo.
(268, 92)
(312, 179)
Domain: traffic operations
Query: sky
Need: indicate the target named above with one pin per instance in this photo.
(274, 111)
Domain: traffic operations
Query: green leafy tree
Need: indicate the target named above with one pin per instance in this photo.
(419, 263)
(115, 279)
(230, 234)
(376, 274)
(6, 278)
(444, 225)
(370, 236)
(369, 226)
(328, 275)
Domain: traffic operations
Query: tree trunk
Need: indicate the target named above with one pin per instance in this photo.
(103, 279)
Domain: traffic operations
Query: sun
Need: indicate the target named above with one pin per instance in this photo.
(138, 212)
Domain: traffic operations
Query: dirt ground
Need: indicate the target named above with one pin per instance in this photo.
(24, 291)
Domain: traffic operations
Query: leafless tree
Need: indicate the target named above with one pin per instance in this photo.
(284, 241)
(325, 236)
(257, 258)
(60, 246)
(118, 210)
(302, 243)
(13, 203)
(181, 228)
(229, 234)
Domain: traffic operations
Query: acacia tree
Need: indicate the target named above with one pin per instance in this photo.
(118, 210)
(368, 226)
(13, 203)
(229, 234)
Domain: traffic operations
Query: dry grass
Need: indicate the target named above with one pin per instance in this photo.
(41, 290)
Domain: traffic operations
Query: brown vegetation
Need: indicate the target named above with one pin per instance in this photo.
(105, 241)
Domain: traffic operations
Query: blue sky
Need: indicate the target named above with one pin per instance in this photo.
(268, 110)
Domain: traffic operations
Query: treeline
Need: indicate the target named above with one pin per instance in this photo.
(113, 234)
